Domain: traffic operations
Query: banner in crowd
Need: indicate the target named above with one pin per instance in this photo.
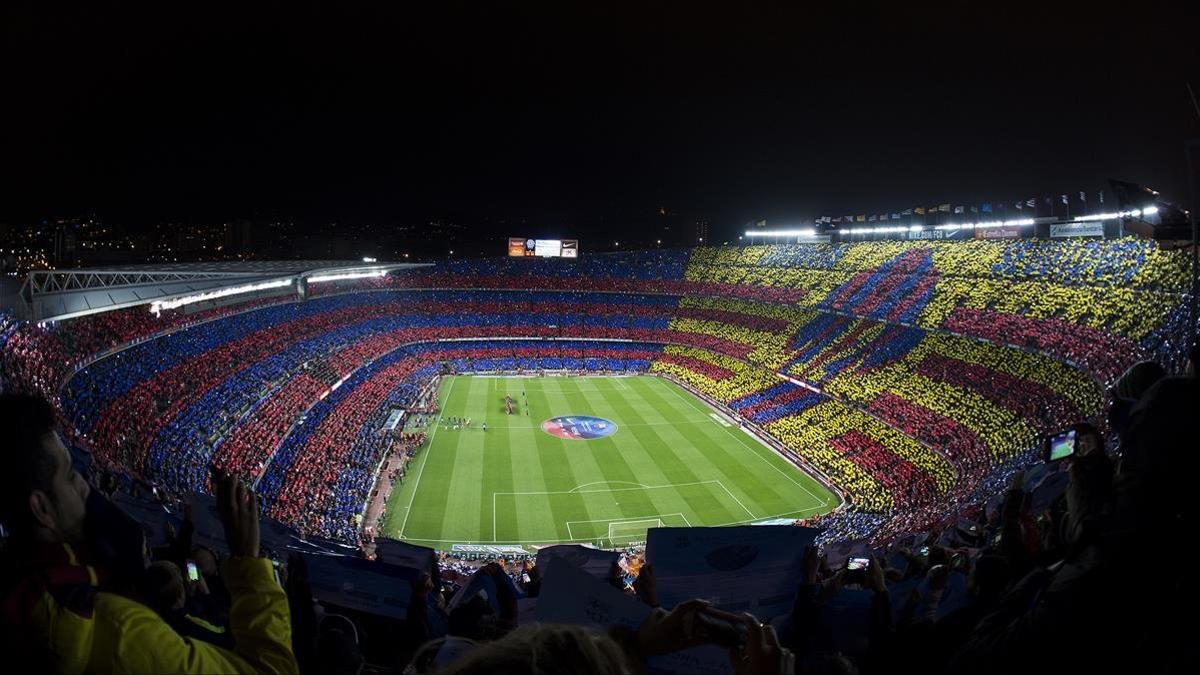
(400, 553)
(571, 596)
(486, 549)
(211, 534)
(936, 234)
(485, 582)
(952, 597)
(837, 552)
(149, 513)
(276, 538)
(998, 233)
(594, 561)
(360, 584)
(1089, 229)
(776, 521)
(848, 616)
(748, 568)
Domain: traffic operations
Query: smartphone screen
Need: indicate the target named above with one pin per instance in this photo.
(857, 564)
(192, 571)
(1060, 446)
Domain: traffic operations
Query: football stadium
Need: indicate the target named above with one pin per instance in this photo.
(517, 338)
(874, 398)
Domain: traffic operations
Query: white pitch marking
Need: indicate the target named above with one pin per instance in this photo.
(417, 483)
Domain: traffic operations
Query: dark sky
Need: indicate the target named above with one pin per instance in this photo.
(580, 115)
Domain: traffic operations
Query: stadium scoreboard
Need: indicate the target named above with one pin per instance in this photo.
(520, 247)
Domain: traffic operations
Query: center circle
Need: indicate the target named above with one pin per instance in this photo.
(579, 427)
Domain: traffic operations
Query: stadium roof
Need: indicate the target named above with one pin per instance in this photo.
(56, 295)
(271, 267)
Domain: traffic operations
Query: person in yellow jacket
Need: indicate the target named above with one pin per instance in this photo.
(58, 616)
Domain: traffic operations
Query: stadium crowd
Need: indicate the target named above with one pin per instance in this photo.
(230, 389)
(917, 378)
(1046, 577)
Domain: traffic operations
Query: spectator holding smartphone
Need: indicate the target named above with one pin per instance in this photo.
(57, 611)
(164, 589)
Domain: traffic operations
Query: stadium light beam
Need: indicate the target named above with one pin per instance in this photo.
(1135, 213)
(158, 306)
(346, 275)
(805, 232)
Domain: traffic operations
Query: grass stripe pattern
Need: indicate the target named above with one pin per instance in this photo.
(671, 462)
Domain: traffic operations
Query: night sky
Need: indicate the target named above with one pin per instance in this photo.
(579, 118)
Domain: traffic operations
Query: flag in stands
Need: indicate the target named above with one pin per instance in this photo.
(987, 207)
(1065, 200)
(1031, 202)
(974, 209)
(959, 209)
(944, 208)
(861, 218)
(908, 212)
(920, 211)
(871, 218)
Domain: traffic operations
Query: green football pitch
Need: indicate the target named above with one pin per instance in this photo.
(657, 456)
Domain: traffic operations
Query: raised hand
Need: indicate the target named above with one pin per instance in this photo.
(762, 654)
(238, 507)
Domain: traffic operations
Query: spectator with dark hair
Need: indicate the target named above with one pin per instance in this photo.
(57, 607)
(553, 649)
(162, 587)
(179, 542)
(1090, 489)
(1127, 390)
(337, 646)
(986, 583)
(549, 649)
(166, 592)
(1090, 611)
